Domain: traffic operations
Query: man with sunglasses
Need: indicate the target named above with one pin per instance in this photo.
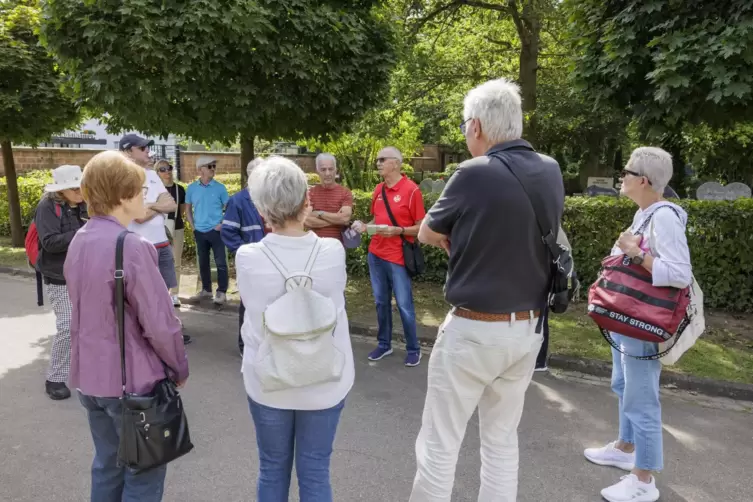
(174, 222)
(159, 203)
(386, 259)
(206, 199)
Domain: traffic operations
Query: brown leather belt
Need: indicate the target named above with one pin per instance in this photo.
(524, 315)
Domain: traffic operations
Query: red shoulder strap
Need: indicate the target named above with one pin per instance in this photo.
(58, 210)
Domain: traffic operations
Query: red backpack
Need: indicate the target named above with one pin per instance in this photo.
(32, 239)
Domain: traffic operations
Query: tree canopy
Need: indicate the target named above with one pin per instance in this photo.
(216, 70)
(32, 104)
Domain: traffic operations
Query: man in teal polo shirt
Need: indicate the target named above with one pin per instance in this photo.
(205, 205)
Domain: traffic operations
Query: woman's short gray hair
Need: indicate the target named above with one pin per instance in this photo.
(253, 164)
(496, 104)
(278, 188)
(653, 163)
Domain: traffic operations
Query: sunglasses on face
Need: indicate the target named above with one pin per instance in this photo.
(165, 169)
(142, 148)
(626, 172)
(464, 126)
(211, 166)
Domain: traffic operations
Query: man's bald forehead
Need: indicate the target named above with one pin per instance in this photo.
(391, 151)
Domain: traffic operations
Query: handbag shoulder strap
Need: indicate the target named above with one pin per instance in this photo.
(548, 235)
(389, 211)
(120, 302)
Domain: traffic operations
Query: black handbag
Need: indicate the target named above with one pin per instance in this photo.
(412, 253)
(154, 427)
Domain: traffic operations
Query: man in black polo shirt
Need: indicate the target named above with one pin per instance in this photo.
(497, 283)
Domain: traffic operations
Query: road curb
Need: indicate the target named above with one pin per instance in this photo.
(17, 272)
(707, 386)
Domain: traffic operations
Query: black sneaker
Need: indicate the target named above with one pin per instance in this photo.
(186, 340)
(57, 390)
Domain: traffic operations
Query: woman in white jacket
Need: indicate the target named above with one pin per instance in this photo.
(293, 423)
(663, 251)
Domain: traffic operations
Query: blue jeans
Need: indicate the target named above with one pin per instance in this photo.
(206, 241)
(111, 483)
(636, 384)
(307, 436)
(387, 277)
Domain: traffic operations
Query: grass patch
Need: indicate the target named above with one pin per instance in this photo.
(10, 256)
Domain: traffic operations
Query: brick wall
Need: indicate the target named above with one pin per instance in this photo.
(35, 159)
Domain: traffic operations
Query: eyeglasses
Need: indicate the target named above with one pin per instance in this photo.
(464, 126)
(626, 172)
(382, 160)
(142, 148)
(211, 166)
(165, 169)
(144, 190)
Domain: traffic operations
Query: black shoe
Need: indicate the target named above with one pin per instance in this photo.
(186, 340)
(57, 390)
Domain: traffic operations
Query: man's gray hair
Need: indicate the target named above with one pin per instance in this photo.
(653, 163)
(325, 156)
(278, 188)
(497, 105)
(393, 152)
(254, 163)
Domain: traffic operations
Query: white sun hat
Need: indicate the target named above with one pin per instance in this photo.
(64, 178)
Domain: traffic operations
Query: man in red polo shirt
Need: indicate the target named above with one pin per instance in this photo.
(386, 262)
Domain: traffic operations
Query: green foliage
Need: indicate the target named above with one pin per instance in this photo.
(357, 150)
(32, 106)
(719, 236)
(667, 61)
(30, 190)
(210, 70)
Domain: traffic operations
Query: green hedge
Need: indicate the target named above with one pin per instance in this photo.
(720, 235)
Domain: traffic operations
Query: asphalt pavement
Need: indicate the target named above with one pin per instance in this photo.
(46, 450)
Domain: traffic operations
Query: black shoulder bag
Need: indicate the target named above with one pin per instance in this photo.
(154, 427)
(565, 282)
(414, 257)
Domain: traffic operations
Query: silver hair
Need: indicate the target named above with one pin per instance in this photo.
(393, 152)
(653, 163)
(325, 156)
(497, 105)
(278, 188)
(254, 163)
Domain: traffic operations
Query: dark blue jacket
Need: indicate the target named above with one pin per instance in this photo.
(243, 223)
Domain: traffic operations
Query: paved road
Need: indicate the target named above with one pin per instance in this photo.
(46, 450)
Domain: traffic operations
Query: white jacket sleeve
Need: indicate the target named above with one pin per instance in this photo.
(670, 250)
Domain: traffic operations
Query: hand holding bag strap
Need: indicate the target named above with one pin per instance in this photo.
(389, 212)
(120, 302)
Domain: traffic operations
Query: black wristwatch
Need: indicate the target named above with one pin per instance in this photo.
(402, 230)
(638, 259)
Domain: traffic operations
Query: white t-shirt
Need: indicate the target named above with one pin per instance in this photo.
(260, 283)
(154, 229)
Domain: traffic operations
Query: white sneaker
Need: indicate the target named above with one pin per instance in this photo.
(541, 369)
(202, 295)
(631, 489)
(220, 298)
(176, 301)
(609, 455)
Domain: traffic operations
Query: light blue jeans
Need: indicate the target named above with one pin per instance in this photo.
(636, 384)
(284, 436)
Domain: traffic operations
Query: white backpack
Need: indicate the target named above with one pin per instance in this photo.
(298, 348)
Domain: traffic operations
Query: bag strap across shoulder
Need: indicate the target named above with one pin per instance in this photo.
(120, 302)
(389, 211)
(305, 278)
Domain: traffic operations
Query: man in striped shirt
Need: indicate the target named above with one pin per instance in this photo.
(332, 204)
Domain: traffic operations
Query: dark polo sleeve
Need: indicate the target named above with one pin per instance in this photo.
(450, 205)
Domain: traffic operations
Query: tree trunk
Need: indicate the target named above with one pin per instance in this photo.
(247, 155)
(592, 165)
(529, 64)
(14, 204)
(673, 144)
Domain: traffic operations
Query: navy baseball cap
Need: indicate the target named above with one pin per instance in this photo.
(130, 140)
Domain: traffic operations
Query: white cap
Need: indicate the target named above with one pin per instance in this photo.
(64, 178)
(203, 160)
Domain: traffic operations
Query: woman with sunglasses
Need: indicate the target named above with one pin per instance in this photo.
(178, 193)
(662, 249)
(60, 214)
